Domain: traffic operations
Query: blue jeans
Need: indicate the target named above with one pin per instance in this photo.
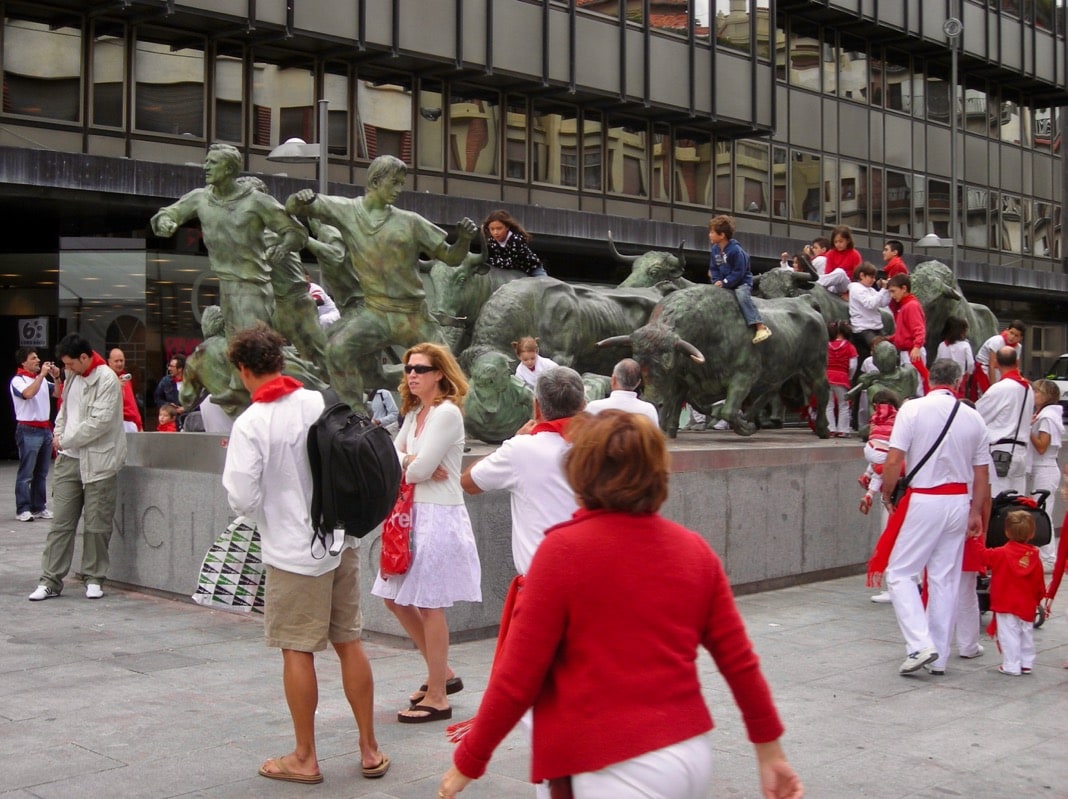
(744, 295)
(35, 457)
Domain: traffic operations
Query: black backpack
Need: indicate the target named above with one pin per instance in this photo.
(355, 472)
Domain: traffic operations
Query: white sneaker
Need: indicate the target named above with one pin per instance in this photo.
(722, 424)
(763, 334)
(25, 516)
(978, 651)
(917, 660)
(43, 592)
(43, 514)
(93, 591)
(881, 598)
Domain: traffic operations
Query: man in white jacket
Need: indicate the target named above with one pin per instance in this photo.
(310, 598)
(90, 446)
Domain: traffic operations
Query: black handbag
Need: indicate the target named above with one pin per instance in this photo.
(902, 484)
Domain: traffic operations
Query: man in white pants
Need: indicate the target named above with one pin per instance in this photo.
(944, 502)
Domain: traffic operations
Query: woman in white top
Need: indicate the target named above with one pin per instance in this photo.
(445, 567)
(531, 364)
(955, 346)
(1044, 445)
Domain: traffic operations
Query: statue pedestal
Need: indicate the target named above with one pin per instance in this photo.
(780, 508)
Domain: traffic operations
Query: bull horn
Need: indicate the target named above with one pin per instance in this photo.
(615, 341)
(802, 279)
(626, 259)
(690, 349)
(679, 255)
(950, 293)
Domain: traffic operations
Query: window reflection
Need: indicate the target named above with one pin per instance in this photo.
(723, 176)
(693, 168)
(899, 204)
(169, 88)
(1011, 223)
(474, 130)
(975, 110)
(734, 26)
(336, 93)
(384, 120)
(515, 148)
(592, 152)
(1044, 133)
(804, 186)
(229, 79)
(897, 82)
(627, 158)
(42, 70)
(853, 74)
(554, 156)
(778, 182)
(430, 125)
(109, 75)
(804, 61)
(975, 216)
(662, 169)
(853, 195)
(994, 220)
(752, 166)
(938, 207)
(1042, 235)
(1010, 120)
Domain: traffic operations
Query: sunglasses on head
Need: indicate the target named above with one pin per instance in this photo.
(418, 368)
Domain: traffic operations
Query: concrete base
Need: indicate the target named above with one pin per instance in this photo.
(780, 509)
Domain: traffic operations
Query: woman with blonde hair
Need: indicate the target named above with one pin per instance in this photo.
(605, 635)
(445, 568)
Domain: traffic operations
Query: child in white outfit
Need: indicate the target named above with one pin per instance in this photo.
(884, 410)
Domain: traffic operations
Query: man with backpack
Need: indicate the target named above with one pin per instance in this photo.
(312, 596)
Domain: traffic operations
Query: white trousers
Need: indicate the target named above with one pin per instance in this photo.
(932, 538)
(1016, 638)
(679, 771)
(968, 617)
(841, 422)
(1015, 480)
(1048, 477)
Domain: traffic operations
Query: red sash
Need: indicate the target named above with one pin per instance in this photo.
(885, 545)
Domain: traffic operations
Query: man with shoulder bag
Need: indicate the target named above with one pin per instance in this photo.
(946, 446)
(1007, 408)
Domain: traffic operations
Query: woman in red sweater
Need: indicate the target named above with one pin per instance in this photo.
(605, 636)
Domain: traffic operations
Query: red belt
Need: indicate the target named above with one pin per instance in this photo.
(45, 425)
(945, 488)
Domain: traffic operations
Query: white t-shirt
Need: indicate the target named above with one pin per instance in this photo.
(530, 376)
(989, 350)
(530, 467)
(1049, 420)
(268, 478)
(1007, 408)
(864, 305)
(965, 446)
(35, 409)
(625, 401)
(959, 351)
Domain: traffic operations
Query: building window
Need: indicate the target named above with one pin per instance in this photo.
(229, 114)
(336, 93)
(628, 162)
(383, 124)
(592, 152)
(474, 130)
(42, 70)
(554, 131)
(899, 204)
(693, 167)
(109, 75)
(430, 125)
(516, 138)
(169, 85)
(804, 187)
(751, 168)
(662, 163)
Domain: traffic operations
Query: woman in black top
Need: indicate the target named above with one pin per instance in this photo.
(508, 245)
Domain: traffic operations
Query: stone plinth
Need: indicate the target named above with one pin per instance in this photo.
(780, 508)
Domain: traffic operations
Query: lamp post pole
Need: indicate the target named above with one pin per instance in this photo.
(953, 28)
(324, 139)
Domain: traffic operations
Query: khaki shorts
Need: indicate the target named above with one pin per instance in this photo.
(302, 613)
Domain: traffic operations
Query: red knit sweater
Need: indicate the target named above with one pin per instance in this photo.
(1017, 584)
(846, 260)
(604, 642)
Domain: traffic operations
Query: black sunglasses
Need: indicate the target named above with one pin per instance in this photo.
(418, 368)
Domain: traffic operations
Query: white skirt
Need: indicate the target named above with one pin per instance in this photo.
(445, 567)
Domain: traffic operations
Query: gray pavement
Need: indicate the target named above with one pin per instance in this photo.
(138, 696)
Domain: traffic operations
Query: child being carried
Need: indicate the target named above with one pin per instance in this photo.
(884, 411)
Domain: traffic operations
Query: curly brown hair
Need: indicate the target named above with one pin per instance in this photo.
(258, 349)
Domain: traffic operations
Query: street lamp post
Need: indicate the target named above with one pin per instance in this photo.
(953, 28)
(297, 151)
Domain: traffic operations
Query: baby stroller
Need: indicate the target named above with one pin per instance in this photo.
(1003, 504)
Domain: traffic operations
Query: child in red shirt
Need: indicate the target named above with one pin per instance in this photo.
(884, 410)
(168, 415)
(841, 364)
(1016, 589)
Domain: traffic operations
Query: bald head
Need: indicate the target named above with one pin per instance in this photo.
(117, 361)
(1006, 357)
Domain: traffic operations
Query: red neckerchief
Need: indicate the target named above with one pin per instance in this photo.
(555, 426)
(95, 362)
(1014, 374)
(20, 372)
(276, 388)
(885, 545)
(906, 300)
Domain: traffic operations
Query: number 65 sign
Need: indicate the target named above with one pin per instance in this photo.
(33, 332)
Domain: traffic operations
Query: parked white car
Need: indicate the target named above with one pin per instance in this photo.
(1058, 373)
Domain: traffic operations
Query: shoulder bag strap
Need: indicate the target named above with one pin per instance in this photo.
(931, 451)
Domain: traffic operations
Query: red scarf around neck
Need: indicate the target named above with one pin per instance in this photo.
(1014, 374)
(276, 388)
(20, 372)
(553, 426)
(95, 362)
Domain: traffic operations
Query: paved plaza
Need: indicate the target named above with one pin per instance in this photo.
(140, 696)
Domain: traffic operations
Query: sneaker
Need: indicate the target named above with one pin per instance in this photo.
(978, 652)
(1025, 670)
(763, 334)
(43, 514)
(933, 671)
(93, 591)
(917, 660)
(882, 598)
(722, 424)
(25, 516)
(1003, 670)
(43, 592)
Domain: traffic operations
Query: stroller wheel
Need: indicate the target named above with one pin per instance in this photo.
(1040, 616)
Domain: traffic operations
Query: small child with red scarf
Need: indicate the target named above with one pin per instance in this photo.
(1016, 589)
(884, 410)
(168, 419)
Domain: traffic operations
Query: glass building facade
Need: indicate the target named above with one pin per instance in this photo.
(640, 116)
